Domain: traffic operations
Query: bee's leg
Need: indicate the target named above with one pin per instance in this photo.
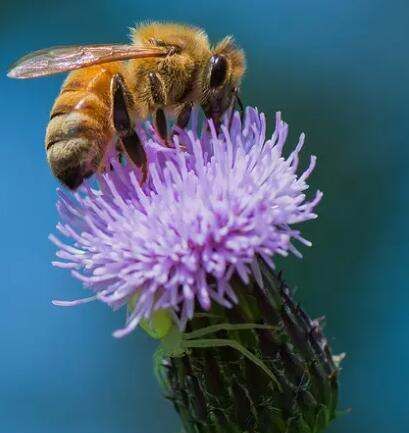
(236, 100)
(184, 115)
(213, 115)
(241, 107)
(158, 98)
(121, 107)
(182, 119)
(160, 123)
(231, 112)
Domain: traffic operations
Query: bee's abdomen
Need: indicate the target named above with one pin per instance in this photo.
(79, 128)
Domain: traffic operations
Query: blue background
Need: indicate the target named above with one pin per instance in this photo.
(339, 70)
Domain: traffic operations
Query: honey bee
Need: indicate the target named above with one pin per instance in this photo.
(165, 71)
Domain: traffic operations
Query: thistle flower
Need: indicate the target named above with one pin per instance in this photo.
(202, 233)
(210, 207)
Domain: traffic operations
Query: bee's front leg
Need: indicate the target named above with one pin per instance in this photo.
(240, 104)
(122, 105)
(235, 101)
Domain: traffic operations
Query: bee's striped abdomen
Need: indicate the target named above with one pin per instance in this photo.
(80, 126)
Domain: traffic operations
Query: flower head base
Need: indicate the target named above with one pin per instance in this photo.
(211, 205)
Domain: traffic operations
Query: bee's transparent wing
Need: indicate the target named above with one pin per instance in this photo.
(67, 58)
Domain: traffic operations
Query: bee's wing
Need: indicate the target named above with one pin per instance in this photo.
(66, 58)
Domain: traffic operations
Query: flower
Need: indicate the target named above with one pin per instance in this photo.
(211, 205)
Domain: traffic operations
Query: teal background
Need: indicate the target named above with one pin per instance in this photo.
(339, 71)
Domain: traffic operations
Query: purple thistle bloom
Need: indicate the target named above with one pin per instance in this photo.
(210, 206)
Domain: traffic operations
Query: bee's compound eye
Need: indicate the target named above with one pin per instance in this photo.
(218, 70)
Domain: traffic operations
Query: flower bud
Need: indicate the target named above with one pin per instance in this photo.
(217, 389)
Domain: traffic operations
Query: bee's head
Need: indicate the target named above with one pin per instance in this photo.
(223, 74)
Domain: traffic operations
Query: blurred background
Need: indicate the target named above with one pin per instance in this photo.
(338, 70)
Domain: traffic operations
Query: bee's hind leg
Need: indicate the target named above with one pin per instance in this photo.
(122, 105)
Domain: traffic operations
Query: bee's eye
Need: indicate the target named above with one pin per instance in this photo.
(218, 70)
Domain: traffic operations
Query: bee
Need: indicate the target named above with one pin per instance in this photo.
(165, 71)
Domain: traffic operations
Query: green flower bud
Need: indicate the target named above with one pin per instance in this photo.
(220, 390)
